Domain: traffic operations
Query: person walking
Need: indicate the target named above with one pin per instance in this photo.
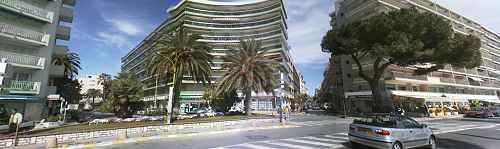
(286, 111)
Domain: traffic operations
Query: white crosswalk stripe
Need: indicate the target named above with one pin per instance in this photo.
(308, 142)
(314, 123)
(293, 146)
(247, 145)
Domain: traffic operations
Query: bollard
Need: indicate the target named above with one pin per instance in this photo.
(51, 142)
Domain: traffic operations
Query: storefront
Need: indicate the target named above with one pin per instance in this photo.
(31, 107)
(437, 104)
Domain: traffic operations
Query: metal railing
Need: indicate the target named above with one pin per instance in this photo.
(24, 33)
(27, 8)
(24, 86)
(22, 59)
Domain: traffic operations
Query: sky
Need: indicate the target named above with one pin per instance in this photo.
(103, 31)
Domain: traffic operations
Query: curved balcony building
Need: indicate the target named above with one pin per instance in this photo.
(222, 25)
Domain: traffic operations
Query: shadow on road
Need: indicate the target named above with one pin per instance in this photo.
(471, 135)
(442, 143)
(490, 120)
(456, 144)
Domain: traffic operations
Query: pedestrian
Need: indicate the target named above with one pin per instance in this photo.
(286, 110)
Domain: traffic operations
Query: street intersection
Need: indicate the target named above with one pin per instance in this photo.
(320, 131)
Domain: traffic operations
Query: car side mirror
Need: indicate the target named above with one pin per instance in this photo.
(423, 126)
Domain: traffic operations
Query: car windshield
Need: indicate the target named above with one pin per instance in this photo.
(377, 120)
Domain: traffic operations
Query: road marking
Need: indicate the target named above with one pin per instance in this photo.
(321, 139)
(335, 137)
(309, 142)
(290, 145)
(255, 146)
(455, 130)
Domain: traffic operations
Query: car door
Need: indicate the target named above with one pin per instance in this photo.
(411, 139)
(404, 131)
(421, 134)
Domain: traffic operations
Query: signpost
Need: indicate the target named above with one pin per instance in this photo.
(17, 119)
(169, 104)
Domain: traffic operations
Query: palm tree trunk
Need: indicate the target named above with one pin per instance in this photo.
(248, 97)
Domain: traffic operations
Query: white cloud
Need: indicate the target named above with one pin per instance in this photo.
(116, 40)
(308, 22)
(126, 26)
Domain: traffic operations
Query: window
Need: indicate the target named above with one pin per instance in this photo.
(348, 75)
(347, 62)
(407, 123)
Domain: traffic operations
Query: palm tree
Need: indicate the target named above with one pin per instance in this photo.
(126, 90)
(71, 63)
(93, 93)
(105, 80)
(248, 69)
(181, 55)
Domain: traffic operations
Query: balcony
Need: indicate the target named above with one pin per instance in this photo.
(25, 35)
(66, 14)
(27, 9)
(24, 87)
(22, 60)
(57, 70)
(63, 33)
(69, 2)
(60, 50)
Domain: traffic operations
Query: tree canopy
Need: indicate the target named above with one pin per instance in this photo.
(404, 38)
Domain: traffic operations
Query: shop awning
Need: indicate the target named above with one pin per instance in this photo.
(446, 97)
(475, 79)
(19, 98)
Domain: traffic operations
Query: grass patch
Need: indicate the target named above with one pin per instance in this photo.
(109, 126)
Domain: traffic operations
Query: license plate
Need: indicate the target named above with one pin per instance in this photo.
(366, 131)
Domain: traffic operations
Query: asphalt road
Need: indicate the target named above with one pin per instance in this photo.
(327, 132)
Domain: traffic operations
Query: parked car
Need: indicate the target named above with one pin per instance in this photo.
(386, 131)
(495, 111)
(480, 113)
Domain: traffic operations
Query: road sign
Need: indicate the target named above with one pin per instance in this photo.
(17, 119)
(72, 107)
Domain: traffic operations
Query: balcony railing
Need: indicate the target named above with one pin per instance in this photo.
(24, 34)
(23, 60)
(24, 87)
(27, 9)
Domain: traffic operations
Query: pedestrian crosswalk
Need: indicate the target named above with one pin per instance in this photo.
(443, 127)
(340, 140)
(308, 142)
(317, 123)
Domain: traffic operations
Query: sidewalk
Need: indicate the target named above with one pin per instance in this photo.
(135, 135)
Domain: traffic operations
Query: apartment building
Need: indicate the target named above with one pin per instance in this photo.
(29, 30)
(222, 25)
(452, 86)
(90, 82)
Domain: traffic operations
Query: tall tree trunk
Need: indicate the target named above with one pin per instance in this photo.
(380, 104)
(248, 97)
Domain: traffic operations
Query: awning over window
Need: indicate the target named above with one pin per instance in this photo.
(476, 79)
(446, 97)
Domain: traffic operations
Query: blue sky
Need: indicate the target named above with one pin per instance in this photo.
(105, 30)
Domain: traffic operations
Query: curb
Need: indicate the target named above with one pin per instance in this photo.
(142, 140)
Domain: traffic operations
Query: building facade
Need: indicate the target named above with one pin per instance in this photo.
(449, 87)
(28, 33)
(90, 82)
(222, 25)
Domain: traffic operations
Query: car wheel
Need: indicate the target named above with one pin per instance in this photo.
(432, 143)
(355, 145)
(397, 145)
